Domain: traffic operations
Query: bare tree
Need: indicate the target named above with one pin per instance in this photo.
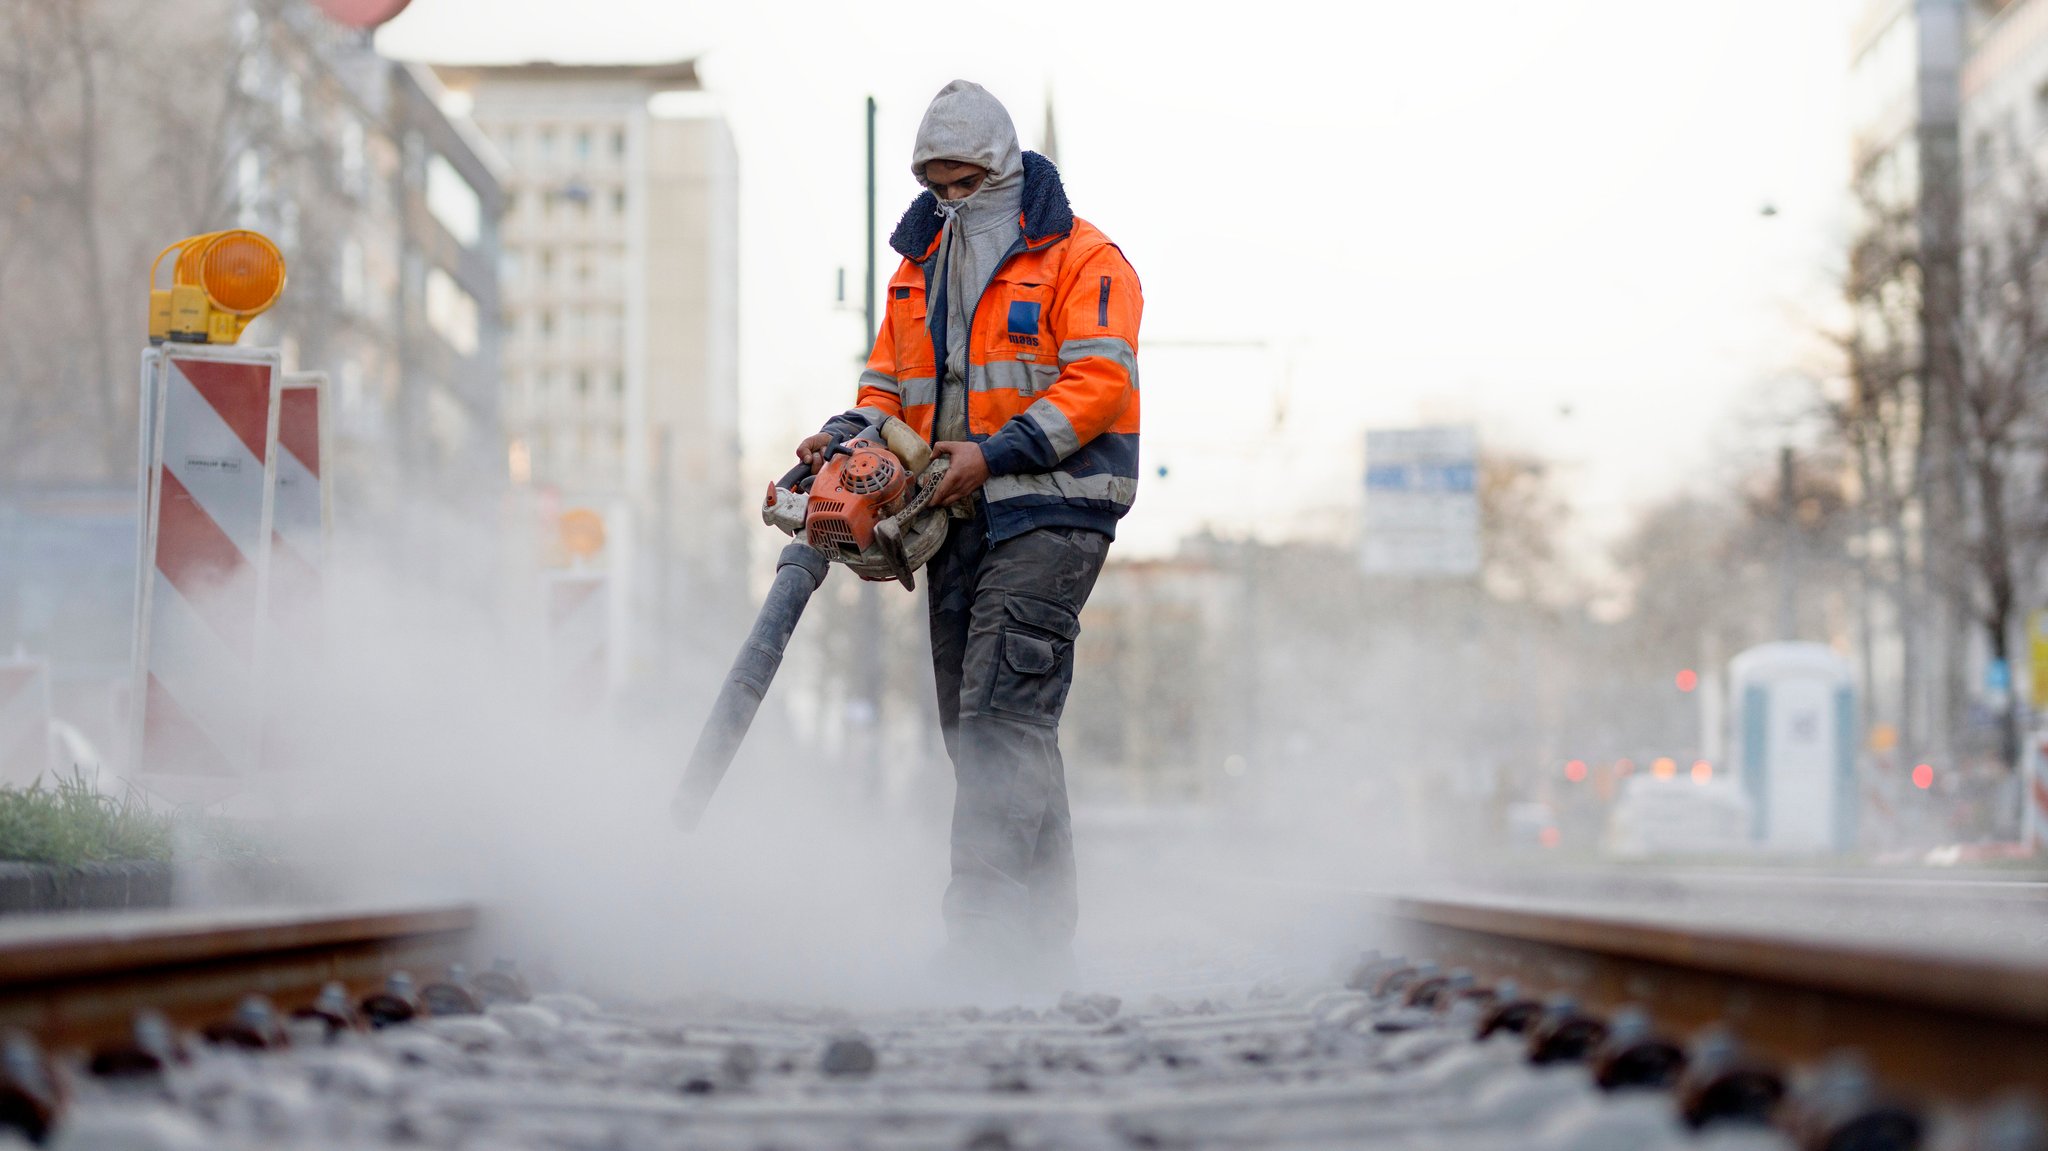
(118, 119)
(1942, 414)
(1994, 390)
(1880, 419)
(1521, 519)
(1897, 418)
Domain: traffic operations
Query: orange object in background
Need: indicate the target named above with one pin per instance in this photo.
(219, 282)
(1688, 679)
(361, 13)
(241, 271)
(582, 532)
(1664, 768)
(1923, 776)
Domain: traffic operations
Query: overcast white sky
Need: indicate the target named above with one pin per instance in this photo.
(1542, 218)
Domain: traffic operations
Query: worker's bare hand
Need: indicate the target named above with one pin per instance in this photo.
(812, 450)
(966, 471)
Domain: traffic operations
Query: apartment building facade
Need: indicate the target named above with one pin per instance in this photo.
(620, 268)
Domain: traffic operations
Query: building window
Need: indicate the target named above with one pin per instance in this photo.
(582, 383)
(547, 143)
(248, 188)
(351, 274)
(355, 157)
(618, 383)
(453, 201)
(547, 323)
(451, 311)
(250, 75)
(351, 390)
(619, 202)
(583, 145)
(619, 143)
(547, 265)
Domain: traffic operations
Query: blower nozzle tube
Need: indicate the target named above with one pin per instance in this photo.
(798, 572)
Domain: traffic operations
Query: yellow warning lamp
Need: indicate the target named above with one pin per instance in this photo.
(219, 282)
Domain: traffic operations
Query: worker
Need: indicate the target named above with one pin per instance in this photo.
(1010, 342)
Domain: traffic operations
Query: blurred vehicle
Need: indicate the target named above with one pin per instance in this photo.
(1531, 824)
(1678, 816)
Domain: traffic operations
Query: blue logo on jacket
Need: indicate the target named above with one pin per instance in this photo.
(1023, 317)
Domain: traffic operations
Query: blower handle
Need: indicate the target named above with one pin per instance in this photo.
(794, 476)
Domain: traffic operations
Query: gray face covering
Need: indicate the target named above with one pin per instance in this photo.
(967, 125)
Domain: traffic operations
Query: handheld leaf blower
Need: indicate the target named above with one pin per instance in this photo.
(869, 508)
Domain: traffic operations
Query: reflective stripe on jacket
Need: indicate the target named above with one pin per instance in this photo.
(1052, 390)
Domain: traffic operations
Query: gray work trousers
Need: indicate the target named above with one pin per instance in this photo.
(1004, 618)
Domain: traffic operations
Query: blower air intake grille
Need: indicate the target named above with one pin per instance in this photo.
(867, 473)
(826, 527)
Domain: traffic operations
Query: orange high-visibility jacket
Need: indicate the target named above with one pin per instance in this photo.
(1052, 390)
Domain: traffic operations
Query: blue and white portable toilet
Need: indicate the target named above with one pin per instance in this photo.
(1795, 728)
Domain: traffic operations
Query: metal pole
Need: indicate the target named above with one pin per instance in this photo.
(868, 285)
(1788, 576)
(664, 554)
(867, 692)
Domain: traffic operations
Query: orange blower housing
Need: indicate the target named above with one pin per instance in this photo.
(860, 486)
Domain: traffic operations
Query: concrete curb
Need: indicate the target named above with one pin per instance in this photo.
(36, 887)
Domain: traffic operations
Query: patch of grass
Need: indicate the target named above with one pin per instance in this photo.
(72, 823)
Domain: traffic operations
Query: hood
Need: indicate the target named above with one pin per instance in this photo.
(968, 125)
(1046, 212)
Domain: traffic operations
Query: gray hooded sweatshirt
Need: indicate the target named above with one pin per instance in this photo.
(967, 125)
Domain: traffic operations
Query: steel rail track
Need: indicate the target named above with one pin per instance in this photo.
(1949, 1025)
(79, 980)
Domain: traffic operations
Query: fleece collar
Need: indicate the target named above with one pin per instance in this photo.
(1046, 215)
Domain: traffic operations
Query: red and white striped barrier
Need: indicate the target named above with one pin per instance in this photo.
(24, 720)
(303, 498)
(578, 606)
(208, 492)
(301, 527)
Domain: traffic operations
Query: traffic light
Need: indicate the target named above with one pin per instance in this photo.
(219, 282)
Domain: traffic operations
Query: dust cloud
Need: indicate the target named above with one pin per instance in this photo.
(433, 757)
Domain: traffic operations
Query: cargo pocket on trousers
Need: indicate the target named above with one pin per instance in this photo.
(1037, 665)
